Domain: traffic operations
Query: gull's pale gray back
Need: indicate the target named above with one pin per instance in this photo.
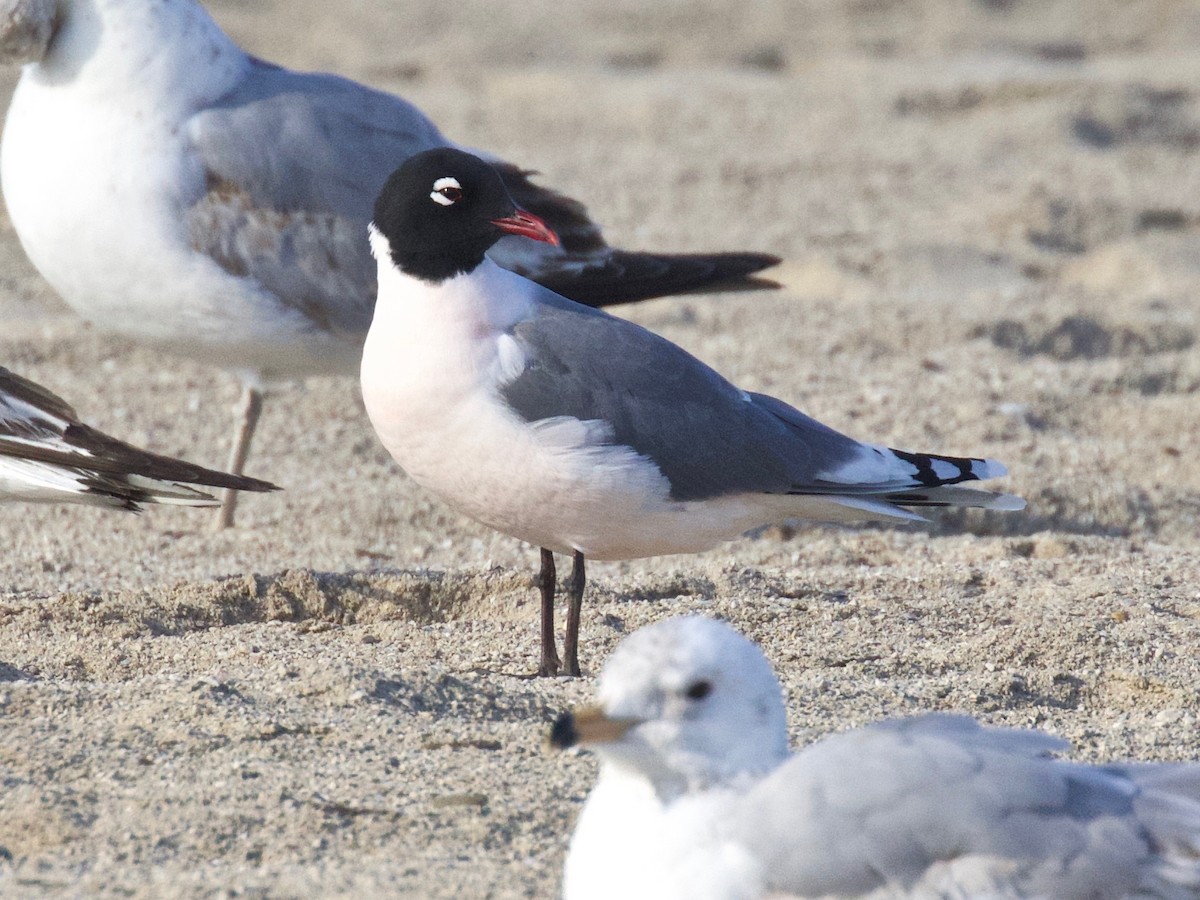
(292, 163)
(304, 142)
(939, 806)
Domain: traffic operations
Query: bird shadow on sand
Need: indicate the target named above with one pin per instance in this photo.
(12, 673)
(306, 597)
(1051, 510)
(444, 694)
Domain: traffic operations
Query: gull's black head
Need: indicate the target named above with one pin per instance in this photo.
(443, 209)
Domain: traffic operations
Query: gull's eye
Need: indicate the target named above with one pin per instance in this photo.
(446, 191)
(698, 690)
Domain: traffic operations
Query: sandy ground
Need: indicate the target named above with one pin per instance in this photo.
(990, 213)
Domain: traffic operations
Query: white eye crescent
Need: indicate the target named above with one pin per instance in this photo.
(446, 191)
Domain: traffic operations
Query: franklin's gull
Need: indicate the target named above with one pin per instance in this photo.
(579, 432)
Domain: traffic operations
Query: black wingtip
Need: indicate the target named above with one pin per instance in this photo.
(111, 456)
(239, 483)
(627, 277)
(592, 273)
(563, 733)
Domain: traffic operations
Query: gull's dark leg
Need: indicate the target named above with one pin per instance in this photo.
(252, 401)
(571, 641)
(550, 663)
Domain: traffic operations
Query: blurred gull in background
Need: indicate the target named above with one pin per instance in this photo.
(175, 190)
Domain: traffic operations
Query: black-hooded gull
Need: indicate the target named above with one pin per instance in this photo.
(579, 432)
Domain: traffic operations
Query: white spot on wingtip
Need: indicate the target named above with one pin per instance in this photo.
(992, 469)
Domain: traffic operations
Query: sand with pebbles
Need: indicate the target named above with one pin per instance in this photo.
(990, 215)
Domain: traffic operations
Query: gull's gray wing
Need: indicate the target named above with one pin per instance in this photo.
(941, 806)
(299, 142)
(706, 436)
(292, 163)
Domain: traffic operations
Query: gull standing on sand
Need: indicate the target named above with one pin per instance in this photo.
(48, 456)
(177, 191)
(699, 798)
(579, 432)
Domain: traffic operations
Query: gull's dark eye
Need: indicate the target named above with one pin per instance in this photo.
(446, 191)
(698, 690)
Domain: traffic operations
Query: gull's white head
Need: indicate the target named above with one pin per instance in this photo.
(26, 27)
(687, 703)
